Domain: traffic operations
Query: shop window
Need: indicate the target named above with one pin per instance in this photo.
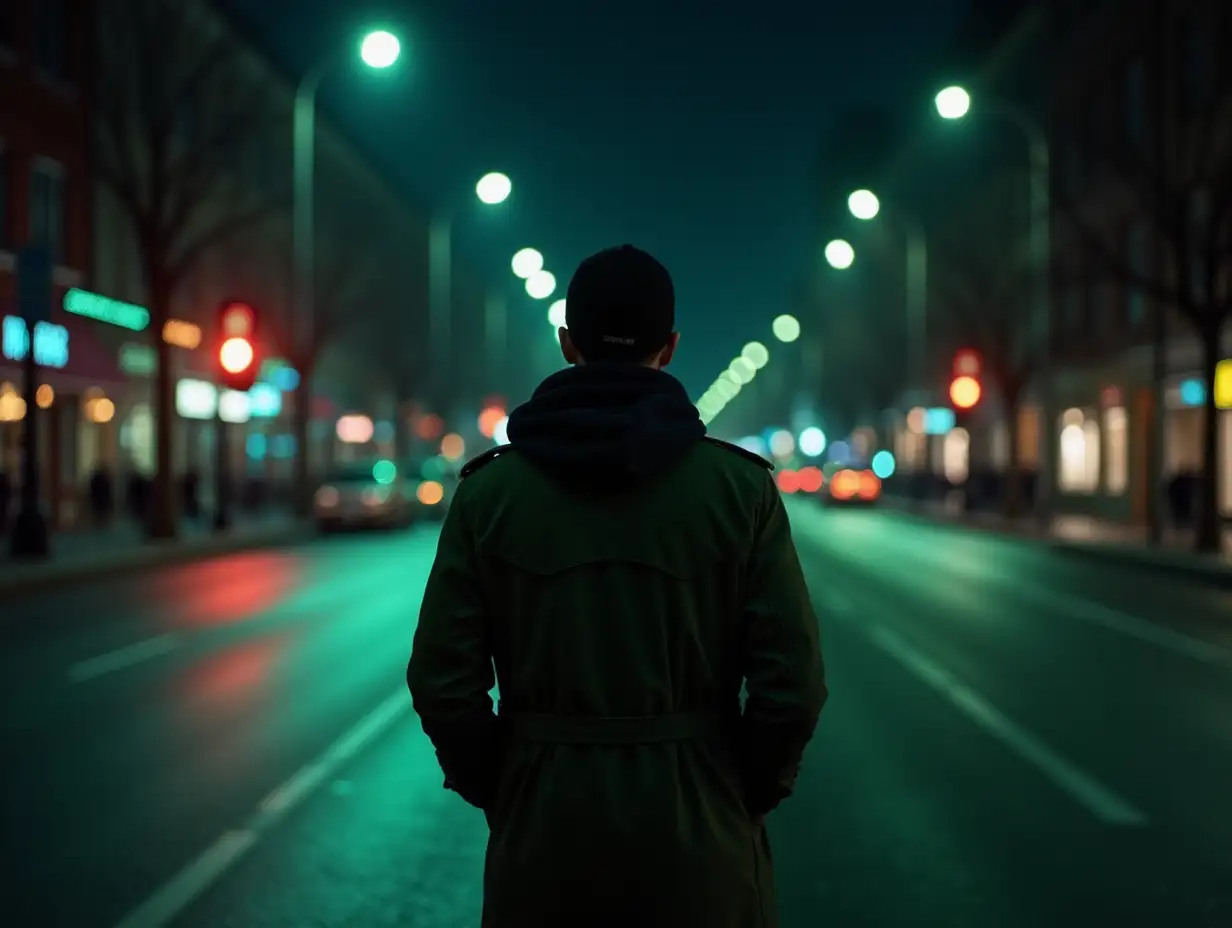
(1116, 450)
(956, 455)
(1079, 453)
(1028, 438)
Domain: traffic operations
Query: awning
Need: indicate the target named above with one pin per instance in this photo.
(89, 363)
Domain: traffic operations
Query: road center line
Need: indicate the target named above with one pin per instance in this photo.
(1100, 801)
(123, 657)
(171, 899)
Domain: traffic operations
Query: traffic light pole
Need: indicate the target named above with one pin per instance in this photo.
(222, 485)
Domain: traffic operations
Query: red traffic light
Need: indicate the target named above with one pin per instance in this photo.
(966, 363)
(965, 392)
(237, 320)
(236, 355)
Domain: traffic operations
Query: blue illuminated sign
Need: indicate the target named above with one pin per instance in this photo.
(938, 421)
(264, 401)
(50, 342)
(1193, 392)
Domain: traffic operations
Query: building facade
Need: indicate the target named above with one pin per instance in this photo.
(47, 72)
(1108, 391)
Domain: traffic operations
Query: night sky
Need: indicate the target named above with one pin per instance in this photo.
(688, 128)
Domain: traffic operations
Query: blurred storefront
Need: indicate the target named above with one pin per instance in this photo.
(79, 387)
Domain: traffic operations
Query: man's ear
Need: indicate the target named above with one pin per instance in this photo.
(567, 348)
(669, 350)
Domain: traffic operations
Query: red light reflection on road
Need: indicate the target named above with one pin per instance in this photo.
(229, 588)
(234, 672)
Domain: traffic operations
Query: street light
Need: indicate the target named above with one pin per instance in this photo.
(541, 285)
(953, 103)
(840, 255)
(756, 354)
(494, 188)
(556, 314)
(378, 50)
(526, 262)
(786, 328)
(863, 204)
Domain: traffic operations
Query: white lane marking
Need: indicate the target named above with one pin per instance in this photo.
(171, 899)
(1124, 623)
(1100, 801)
(123, 657)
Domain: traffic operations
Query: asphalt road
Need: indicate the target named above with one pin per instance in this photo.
(1013, 739)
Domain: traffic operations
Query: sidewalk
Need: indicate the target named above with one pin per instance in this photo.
(1089, 536)
(90, 553)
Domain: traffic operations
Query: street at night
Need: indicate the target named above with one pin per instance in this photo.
(1013, 738)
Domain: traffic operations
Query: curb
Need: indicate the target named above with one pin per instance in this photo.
(1176, 564)
(42, 575)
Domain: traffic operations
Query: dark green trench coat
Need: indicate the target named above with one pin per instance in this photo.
(622, 784)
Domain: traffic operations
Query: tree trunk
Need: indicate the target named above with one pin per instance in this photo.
(1209, 522)
(162, 517)
(1011, 500)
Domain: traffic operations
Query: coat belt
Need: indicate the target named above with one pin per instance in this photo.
(645, 729)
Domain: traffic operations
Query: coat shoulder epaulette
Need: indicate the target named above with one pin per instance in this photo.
(743, 452)
(479, 460)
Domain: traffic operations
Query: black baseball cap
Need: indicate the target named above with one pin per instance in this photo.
(621, 305)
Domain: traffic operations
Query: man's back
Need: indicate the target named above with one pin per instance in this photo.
(624, 575)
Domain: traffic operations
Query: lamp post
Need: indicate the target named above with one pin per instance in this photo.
(954, 103)
(378, 50)
(492, 189)
(864, 205)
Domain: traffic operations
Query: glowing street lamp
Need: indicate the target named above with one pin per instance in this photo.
(380, 49)
(863, 204)
(786, 328)
(527, 262)
(756, 354)
(494, 188)
(953, 103)
(541, 285)
(556, 314)
(840, 255)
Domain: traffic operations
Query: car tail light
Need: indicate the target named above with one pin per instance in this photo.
(869, 486)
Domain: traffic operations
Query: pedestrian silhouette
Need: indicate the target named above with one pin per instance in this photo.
(622, 576)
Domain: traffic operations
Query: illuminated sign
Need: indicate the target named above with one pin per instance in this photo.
(1223, 384)
(200, 399)
(182, 334)
(138, 360)
(50, 342)
(105, 309)
(938, 421)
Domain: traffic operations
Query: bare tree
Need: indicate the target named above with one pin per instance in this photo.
(983, 301)
(397, 339)
(348, 279)
(178, 116)
(1163, 164)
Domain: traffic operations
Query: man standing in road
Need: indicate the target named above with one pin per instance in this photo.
(625, 575)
